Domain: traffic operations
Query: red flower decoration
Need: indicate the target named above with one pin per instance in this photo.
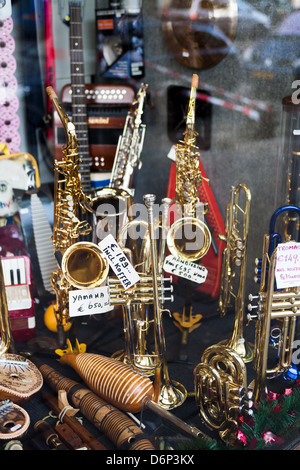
(270, 438)
(241, 437)
(277, 408)
(272, 396)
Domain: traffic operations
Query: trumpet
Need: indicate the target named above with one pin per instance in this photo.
(189, 237)
(234, 261)
(137, 301)
(220, 379)
(168, 394)
(149, 292)
(275, 312)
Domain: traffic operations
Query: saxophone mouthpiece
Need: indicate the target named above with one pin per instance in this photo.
(51, 92)
(195, 80)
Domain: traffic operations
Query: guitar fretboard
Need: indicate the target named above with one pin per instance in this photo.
(79, 109)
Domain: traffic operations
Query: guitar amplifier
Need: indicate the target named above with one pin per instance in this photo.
(107, 108)
(20, 303)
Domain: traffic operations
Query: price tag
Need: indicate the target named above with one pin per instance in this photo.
(183, 268)
(287, 271)
(89, 301)
(119, 262)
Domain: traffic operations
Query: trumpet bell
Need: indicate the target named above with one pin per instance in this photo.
(189, 238)
(84, 265)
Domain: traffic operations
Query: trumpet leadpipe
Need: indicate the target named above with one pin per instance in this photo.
(138, 291)
(136, 300)
(144, 280)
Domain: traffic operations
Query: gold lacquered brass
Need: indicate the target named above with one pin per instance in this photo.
(189, 237)
(69, 201)
(168, 394)
(234, 262)
(221, 379)
(178, 243)
(274, 306)
(221, 390)
(84, 265)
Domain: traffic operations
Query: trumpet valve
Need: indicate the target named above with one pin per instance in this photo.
(258, 262)
(246, 404)
(240, 401)
(250, 317)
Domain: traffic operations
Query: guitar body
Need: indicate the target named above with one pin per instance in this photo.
(97, 111)
(213, 258)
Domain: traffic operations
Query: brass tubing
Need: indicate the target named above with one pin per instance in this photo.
(168, 394)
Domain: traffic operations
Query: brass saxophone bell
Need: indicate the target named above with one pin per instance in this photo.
(84, 265)
(191, 247)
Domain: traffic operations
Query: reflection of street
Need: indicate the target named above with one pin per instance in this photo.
(270, 64)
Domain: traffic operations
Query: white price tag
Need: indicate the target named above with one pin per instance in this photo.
(183, 268)
(89, 301)
(287, 271)
(119, 262)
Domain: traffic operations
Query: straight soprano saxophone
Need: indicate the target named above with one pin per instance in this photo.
(119, 194)
(130, 145)
(80, 264)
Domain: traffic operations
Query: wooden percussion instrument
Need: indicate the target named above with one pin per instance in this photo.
(113, 380)
(14, 420)
(116, 425)
(117, 383)
(20, 379)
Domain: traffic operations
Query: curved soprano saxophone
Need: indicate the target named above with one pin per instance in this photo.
(189, 237)
(80, 264)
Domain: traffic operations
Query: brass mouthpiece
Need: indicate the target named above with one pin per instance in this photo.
(195, 80)
(51, 93)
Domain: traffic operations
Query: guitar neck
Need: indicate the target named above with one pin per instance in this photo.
(79, 108)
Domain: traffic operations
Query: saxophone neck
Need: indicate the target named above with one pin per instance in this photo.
(190, 119)
(140, 100)
(69, 127)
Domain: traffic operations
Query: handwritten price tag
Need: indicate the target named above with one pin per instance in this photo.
(287, 271)
(89, 301)
(119, 262)
(183, 268)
